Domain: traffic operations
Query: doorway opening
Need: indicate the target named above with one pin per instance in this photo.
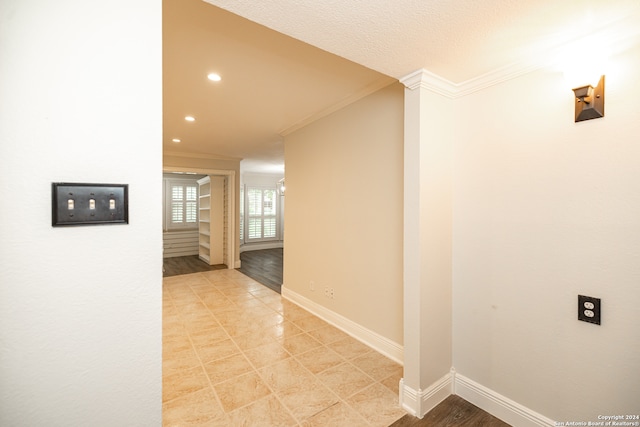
(224, 239)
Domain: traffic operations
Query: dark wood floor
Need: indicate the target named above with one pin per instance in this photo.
(454, 411)
(264, 266)
(186, 265)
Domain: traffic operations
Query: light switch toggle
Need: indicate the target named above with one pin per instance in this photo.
(112, 204)
(92, 204)
(70, 204)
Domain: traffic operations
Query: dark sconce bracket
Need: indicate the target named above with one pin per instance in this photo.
(589, 101)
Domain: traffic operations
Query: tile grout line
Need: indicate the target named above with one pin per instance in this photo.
(198, 290)
(242, 351)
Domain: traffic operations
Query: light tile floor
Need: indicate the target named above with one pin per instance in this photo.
(237, 354)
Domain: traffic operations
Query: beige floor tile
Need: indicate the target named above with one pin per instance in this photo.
(247, 302)
(285, 330)
(184, 382)
(377, 366)
(393, 382)
(240, 391)
(214, 303)
(349, 348)
(319, 359)
(270, 362)
(255, 339)
(377, 404)
(345, 380)
(243, 299)
(208, 336)
(338, 415)
(266, 412)
(249, 324)
(175, 343)
(309, 323)
(307, 398)
(195, 409)
(208, 322)
(299, 343)
(179, 361)
(216, 350)
(266, 355)
(285, 374)
(270, 297)
(262, 291)
(275, 303)
(225, 369)
(328, 334)
(292, 311)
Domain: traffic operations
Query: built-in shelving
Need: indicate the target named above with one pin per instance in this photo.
(211, 219)
(204, 226)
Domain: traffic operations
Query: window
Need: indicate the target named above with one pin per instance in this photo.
(261, 221)
(182, 198)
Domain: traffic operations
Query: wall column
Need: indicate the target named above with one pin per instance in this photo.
(427, 378)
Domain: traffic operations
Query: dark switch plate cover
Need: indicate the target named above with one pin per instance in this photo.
(89, 204)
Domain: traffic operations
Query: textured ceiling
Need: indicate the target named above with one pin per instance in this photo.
(455, 39)
(339, 50)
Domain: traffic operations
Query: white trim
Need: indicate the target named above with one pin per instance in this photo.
(498, 405)
(427, 80)
(385, 346)
(273, 244)
(196, 156)
(419, 402)
(365, 91)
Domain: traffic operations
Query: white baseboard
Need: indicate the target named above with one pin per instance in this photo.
(497, 405)
(385, 346)
(275, 244)
(419, 402)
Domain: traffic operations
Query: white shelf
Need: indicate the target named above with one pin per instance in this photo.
(211, 221)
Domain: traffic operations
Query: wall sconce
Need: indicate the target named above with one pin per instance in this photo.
(589, 101)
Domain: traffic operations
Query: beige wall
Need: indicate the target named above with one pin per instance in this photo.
(344, 212)
(546, 209)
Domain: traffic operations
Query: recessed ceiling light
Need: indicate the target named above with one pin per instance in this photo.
(176, 140)
(190, 119)
(214, 77)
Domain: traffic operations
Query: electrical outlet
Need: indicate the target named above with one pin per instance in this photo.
(327, 293)
(331, 293)
(589, 309)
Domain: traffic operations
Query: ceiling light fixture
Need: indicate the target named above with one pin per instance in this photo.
(190, 118)
(214, 77)
(589, 101)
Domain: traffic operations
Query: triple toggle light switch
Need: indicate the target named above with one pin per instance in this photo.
(88, 204)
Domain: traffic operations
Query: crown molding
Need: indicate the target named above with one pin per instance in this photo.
(425, 79)
(350, 99)
(193, 155)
